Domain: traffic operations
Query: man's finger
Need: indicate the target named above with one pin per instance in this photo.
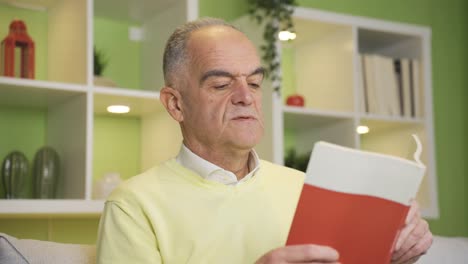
(418, 233)
(413, 212)
(411, 222)
(308, 253)
(413, 254)
(405, 232)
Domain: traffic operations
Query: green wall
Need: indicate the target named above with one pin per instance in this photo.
(66, 230)
(27, 127)
(114, 139)
(122, 54)
(226, 9)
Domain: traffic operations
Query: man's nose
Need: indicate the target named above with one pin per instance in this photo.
(242, 93)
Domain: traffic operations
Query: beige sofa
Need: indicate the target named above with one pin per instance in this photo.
(27, 251)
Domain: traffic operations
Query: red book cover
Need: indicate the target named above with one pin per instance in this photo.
(355, 202)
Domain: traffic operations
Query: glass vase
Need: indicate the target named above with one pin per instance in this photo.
(46, 173)
(15, 171)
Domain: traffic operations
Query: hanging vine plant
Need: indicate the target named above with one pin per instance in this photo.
(275, 15)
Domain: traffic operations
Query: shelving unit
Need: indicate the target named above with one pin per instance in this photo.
(323, 65)
(329, 76)
(66, 106)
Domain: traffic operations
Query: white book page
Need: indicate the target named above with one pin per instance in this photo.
(354, 171)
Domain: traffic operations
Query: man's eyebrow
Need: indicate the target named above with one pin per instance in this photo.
(259, 70)
(222, 73)
(219, 73)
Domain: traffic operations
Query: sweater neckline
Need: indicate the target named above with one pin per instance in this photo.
(195, 178)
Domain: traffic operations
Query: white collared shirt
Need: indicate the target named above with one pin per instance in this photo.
(212, 172)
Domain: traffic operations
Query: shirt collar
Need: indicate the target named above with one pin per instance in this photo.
(213, 172)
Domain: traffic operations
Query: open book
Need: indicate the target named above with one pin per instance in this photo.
(355, 201)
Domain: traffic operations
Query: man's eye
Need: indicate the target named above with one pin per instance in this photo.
(221, 86)
(254, 85)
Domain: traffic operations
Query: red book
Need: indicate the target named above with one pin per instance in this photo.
(355, 201)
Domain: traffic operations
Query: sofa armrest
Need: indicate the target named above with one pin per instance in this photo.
(29, 251)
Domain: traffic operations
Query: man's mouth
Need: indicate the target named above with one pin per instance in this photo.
(244, 118)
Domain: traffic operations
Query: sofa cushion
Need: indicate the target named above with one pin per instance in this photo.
(453, 250)
(29, 251)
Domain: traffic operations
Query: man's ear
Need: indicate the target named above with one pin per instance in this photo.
(172, 101)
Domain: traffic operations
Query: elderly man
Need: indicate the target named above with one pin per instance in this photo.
(217, 202)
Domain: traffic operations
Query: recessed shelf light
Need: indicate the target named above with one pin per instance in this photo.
(362, 130)
(286, 35)
(118, 109)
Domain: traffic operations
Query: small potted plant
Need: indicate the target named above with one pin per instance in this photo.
(100, 64)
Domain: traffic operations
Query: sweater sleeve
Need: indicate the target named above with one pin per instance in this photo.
(125, 236)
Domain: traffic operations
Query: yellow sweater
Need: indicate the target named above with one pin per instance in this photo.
(170, 214)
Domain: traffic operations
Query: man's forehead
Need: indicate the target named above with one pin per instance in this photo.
(214, 31)
(221, 45)
(215, 37)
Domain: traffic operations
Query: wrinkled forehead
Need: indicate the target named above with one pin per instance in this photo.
(221, 47)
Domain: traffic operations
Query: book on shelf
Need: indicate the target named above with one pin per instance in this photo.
(363, 92)
(417, 94)
(380, 85)
(369, 84)
(355, 201)
(406, 87)
(390, 86)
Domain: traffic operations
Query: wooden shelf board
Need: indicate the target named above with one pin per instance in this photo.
(35, 207)
(316, 112)
(304, 118)
(395, 119)
(140, 102)
(35, 93)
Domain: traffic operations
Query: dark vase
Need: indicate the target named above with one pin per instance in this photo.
(15, 171)
(46, 173)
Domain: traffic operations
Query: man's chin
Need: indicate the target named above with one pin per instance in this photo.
(246, 137)
(246, 143)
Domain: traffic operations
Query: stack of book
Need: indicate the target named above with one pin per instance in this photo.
(390, 86)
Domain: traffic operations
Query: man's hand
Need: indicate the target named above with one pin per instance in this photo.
(414, 240)
(300, 254)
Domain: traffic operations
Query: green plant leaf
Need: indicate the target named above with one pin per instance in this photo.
(275, 14)
(99, 62)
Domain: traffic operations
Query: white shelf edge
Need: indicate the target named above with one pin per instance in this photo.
(43, 84)
(192, 9)
(125, 92)
(392, 118)
(316, 112)
(361, 22)
(50, 207)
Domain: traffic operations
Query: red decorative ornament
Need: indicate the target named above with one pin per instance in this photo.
(18, 37)
(295, 100)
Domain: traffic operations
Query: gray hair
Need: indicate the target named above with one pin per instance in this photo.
(175, 53)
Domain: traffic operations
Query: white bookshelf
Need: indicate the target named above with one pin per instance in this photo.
(324, 62)
(71, 101)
